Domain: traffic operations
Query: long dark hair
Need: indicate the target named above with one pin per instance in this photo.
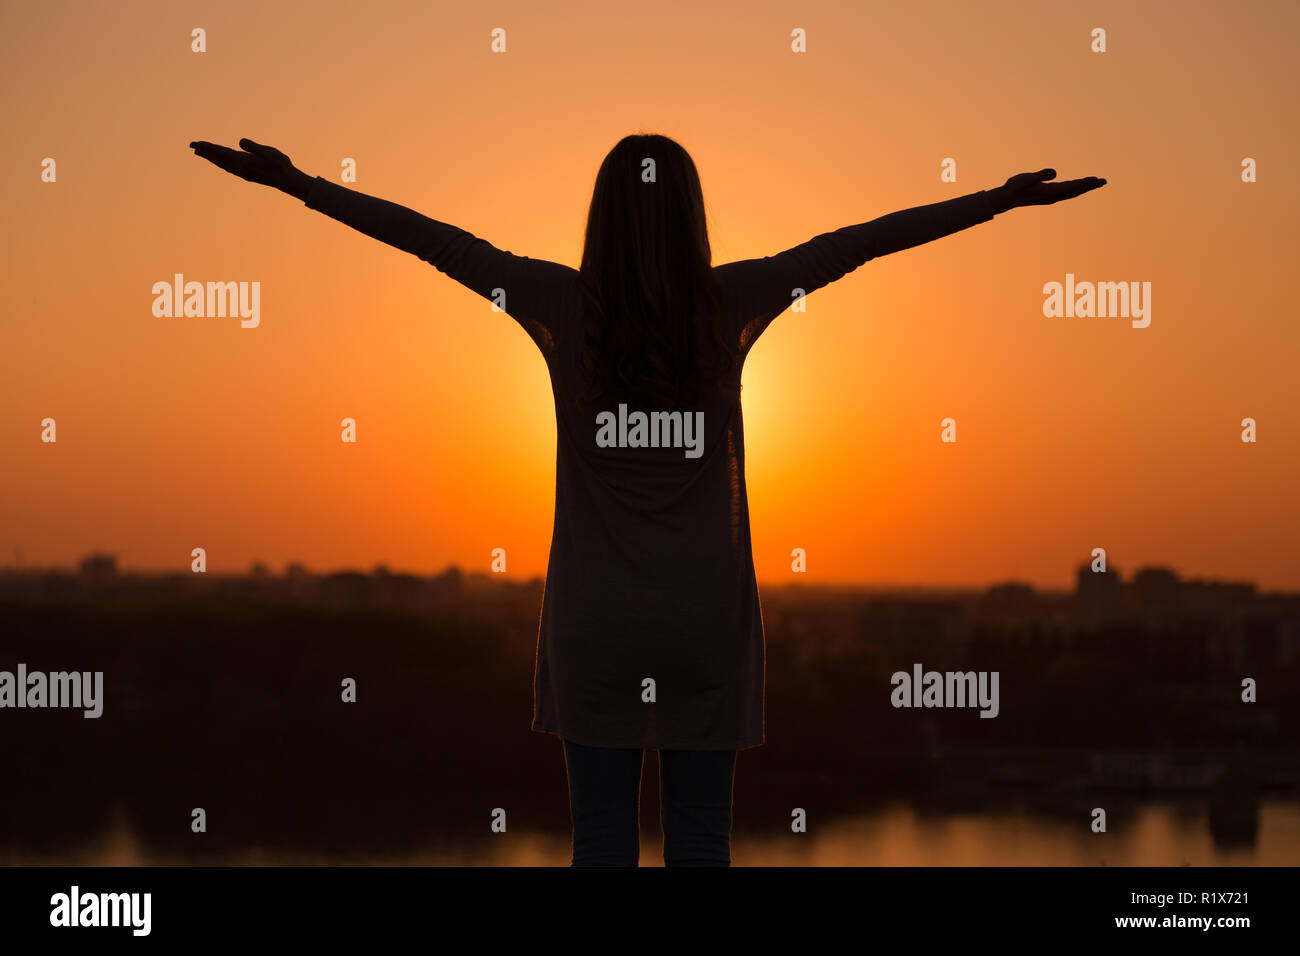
(651, 307)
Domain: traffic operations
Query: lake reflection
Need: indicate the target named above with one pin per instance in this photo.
(1158, 835)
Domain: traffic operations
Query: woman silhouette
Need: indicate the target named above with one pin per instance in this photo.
(651, 634)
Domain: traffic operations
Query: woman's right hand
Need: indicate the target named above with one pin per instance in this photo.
(1032, 189)
(256, 164)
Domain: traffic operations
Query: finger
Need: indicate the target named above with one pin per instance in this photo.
(1073, 188)
(1068, 190)
(1043, 175)
(219, 154)
(231, 160)
(260, 149)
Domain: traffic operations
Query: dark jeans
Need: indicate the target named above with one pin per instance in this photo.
(694, 794)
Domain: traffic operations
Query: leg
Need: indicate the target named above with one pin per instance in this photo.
(695, 795)
(604, 804)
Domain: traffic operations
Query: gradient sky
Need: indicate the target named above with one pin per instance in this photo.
(1073, 433)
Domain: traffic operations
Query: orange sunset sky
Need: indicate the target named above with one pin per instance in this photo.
(1072, 433)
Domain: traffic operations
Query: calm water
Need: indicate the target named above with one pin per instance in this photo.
(1157, 836)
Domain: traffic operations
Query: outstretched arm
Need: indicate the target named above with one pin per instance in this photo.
(764, 288)
(532, 288)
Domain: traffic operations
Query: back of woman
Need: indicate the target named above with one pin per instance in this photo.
(651, 634)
